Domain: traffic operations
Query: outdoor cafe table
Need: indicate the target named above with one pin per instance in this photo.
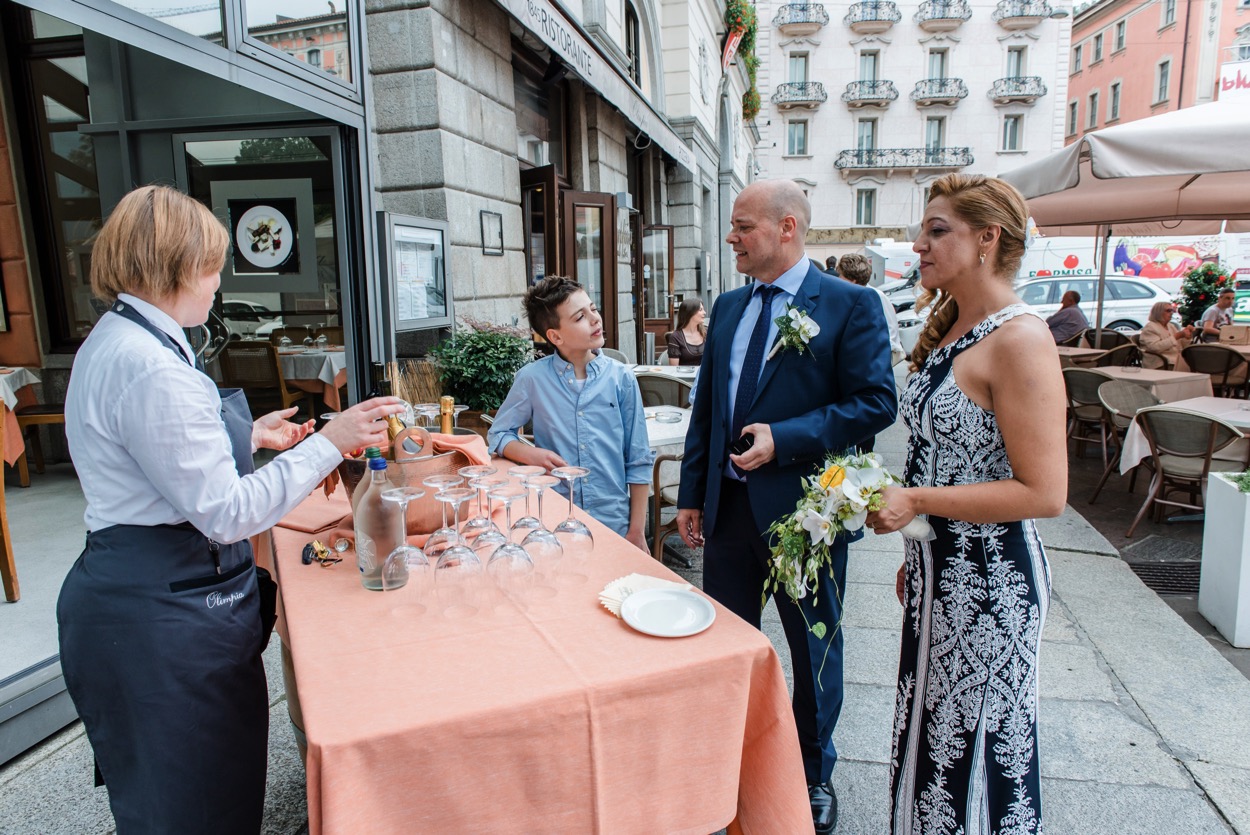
(14, 392)
(320, 372)
(1229, 410)
(685, 373)
(1168, 386)
(557, 719)
(661, 435)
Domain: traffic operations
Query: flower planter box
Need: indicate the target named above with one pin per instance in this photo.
(1224, 590)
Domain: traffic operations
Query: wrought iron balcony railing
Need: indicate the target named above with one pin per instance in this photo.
(939, 91)
(904, 158)
(801, 14)
(1021, 13)
(954, 12)
(873, 11)
(800, 94)
(1018, 88)
(859, 93)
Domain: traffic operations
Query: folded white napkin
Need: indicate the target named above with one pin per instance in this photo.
(615, 592)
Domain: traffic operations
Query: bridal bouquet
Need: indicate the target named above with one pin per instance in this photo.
(834, 501)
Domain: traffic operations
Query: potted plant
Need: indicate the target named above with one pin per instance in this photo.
(1224, 586)
(477, 364)
(1198, 292)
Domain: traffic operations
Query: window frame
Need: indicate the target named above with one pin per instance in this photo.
(1163, 80)
(1121, 36)
(1022, 65)
(1096, 54)
(1074, 117)
(1076, 59)
(862, 196)
(805, 58)
(806, 134)
(1167, 13)
(875, 56)
(1091, 117)
(943, 56)
(1018, 120)
(1113, 101)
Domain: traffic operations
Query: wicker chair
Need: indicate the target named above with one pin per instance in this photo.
(619, 356)
(1106, 338)
(1073, 341)
(1182, 448)
(665, 478)
(1084, 408)
(1127, 354)
(254, 367)
(662, 390)
(1226, 366)
(334, 334)
(1121, 402)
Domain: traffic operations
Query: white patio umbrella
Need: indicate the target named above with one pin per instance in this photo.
(1186, 172)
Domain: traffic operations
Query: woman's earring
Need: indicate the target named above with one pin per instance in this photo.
(982, 259)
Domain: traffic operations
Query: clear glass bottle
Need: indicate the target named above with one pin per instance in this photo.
(377, 523)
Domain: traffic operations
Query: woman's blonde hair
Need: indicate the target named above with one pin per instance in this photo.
(156, 242)
(979, 201)
(1161, 312)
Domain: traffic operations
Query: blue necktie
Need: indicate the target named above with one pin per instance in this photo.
(749, 378)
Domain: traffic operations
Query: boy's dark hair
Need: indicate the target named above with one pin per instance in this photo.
(542, 300)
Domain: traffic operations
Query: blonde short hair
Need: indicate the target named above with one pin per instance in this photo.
(156, 242)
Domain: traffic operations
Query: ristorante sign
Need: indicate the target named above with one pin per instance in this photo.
(554, 29)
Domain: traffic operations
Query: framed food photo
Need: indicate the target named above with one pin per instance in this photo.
(272, 241)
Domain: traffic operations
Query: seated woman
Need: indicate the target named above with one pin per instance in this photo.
(1160, 341)
(685, 345)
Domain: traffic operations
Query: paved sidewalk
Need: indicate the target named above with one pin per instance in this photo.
(1143, 724)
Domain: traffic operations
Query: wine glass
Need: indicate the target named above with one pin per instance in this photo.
(485, 542)
(323, 342)
(284, 342)
(480, 523)
(457, 574)
(308, 338)
(428, 412)
(528, 522)
(572, 532)
(444, 537)
(406, 560)
(511, 566)
(455, 416)
(540, 543)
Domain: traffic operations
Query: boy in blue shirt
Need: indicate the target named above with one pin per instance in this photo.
(586, 411)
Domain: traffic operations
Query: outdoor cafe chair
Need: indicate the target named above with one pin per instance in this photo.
(1127, 354)
(1226, 366)
(1121, 401)
(619, 356)
(1182, 448)
(1106, 338)
(665, 479)
(663, 390)
(1084, 408)
(1073, 341)
(254, 367)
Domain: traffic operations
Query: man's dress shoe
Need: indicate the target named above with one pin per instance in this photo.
(824, 807)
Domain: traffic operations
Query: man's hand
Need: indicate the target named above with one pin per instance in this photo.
(274, 431)
(533, 456)
(761, 453)
(690, 527)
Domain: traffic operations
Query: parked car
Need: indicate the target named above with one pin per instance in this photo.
(1126, 303)
(245, 318)
(902, 293)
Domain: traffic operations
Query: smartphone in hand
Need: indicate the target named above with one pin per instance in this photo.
(744, 443)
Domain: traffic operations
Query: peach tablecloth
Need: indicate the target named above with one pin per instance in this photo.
(15, 391)
(559, 720)
(319, 372)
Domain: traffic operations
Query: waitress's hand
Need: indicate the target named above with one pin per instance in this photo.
(362, 425)
(274, 431)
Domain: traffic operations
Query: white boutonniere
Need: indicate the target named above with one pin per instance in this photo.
(794, 330)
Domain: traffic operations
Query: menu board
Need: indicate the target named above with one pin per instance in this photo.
(416, 263)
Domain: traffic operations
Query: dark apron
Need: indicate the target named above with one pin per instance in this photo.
(160, 635)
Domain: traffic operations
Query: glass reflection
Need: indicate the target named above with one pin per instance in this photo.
(200, 19)
(306, 31)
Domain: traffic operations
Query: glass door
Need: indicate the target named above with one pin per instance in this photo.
(588, 221)
(657, 279)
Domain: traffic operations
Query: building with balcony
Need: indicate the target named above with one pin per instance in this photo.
(1132, 59)
(976, 95)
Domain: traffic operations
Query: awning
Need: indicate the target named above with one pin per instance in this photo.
(584, 60)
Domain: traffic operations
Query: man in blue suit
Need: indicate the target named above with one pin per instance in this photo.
(794, 408)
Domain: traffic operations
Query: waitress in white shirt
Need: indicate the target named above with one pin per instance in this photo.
(160, 627)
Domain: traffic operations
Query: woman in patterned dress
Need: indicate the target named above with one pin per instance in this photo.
(985, 408)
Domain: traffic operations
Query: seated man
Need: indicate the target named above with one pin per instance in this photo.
(1217, 316)
(1068, 320)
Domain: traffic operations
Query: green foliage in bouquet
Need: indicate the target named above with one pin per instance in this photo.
(1198, 292)
(479, 362)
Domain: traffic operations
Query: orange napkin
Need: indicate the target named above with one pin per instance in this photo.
(473, 447)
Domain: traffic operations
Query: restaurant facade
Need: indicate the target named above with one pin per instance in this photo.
(429, 160)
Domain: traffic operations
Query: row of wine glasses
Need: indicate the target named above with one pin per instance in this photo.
(522, 559)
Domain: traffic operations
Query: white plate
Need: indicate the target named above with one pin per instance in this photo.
(668, 613)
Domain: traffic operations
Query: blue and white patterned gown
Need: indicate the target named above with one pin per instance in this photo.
(964, 757)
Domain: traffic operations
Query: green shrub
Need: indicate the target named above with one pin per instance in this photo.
(478, 363)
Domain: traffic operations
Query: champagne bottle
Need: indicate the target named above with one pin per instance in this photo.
(376, 523)
(446, 414)
(393, 427)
